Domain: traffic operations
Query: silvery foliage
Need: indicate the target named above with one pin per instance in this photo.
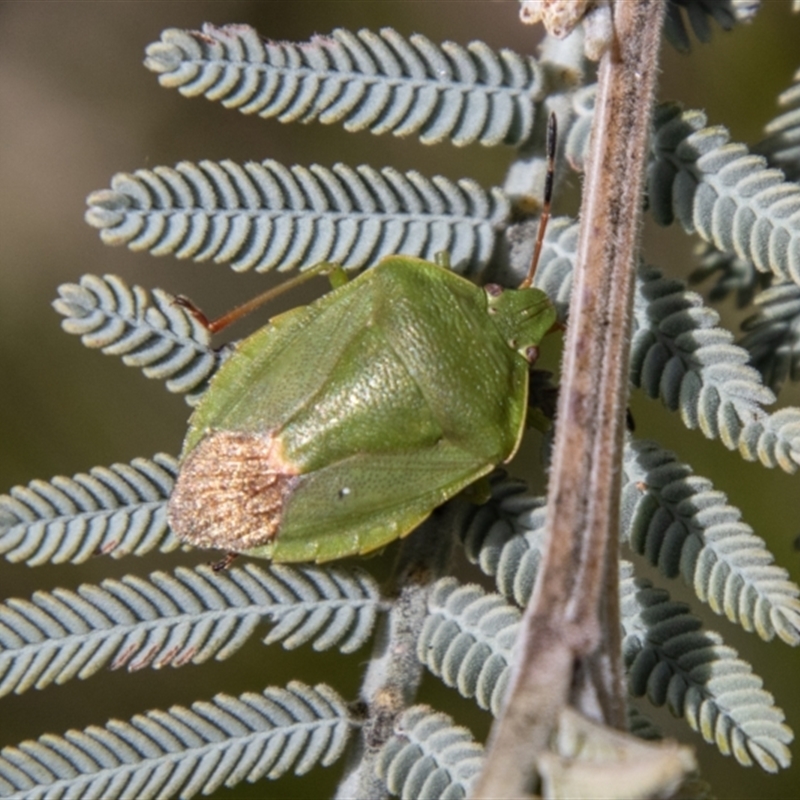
(265, 216)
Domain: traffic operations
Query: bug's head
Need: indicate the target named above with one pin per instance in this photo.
(523, 316)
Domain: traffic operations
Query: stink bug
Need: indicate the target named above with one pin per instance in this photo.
(341, 425)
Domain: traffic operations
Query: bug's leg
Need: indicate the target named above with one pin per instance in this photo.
(542, 399)
(235, 314)
(480, 492)
(185, 302)
(338, 277)
(224, 563)
(442, 258)
(552, 134)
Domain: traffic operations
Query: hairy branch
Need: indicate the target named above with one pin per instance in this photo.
(394, 673)
(569, 649)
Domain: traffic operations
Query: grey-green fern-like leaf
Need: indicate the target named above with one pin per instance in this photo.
(772, 335)
(641, 726)
(669, 658)
(782, 142)
(685, 526)
(146, 329)
(381, 82)
(467, 640)
(527, 174)
(723, 192)
(556, 261)
(265, 216)
(726, 13)
(701, 679)
(677, 519)
(679, 351)
(185, 751)
(428, 756)
(736, 276)
(680, 354)
(505, 537)
(118, 510)
(576, 144)
(190, 616)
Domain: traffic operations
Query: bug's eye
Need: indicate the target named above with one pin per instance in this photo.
(531, 354)
(493, 289)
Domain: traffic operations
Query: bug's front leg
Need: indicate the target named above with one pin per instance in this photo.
(224, 563)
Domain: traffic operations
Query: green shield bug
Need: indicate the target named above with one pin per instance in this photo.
(342, 424)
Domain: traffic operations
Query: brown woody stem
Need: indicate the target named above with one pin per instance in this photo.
(569, 652)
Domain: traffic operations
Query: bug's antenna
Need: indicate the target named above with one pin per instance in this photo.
(552, 131)
(216, 325)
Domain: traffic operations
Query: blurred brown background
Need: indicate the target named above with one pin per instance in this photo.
(76, 106)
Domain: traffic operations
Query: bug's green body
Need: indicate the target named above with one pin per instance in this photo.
(365, 410)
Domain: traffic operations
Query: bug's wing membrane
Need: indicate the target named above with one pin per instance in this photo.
(364, 502)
